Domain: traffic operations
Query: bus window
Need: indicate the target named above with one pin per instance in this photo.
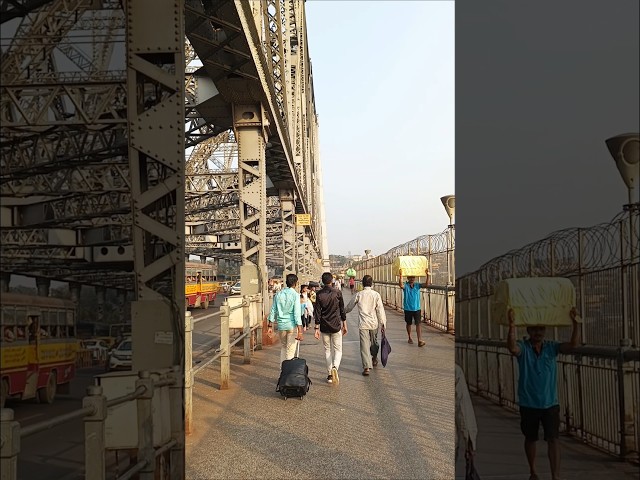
(9, 334)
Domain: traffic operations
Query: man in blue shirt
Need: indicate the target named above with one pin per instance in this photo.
(538, 389)
(285, 311)
(411, 304)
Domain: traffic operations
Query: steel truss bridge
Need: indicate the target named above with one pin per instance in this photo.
(130, 142)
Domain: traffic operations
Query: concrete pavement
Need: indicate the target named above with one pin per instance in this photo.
(500, 452)
(396, 423)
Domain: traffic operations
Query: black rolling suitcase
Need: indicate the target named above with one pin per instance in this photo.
(294, 378)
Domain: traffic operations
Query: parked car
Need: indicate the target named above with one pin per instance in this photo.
(98, 348)
(235, 290)
(120, 356)
(225, 286)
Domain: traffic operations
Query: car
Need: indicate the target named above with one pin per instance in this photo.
(120, 356)
(98, 348)
(225, 286)
(235, 290)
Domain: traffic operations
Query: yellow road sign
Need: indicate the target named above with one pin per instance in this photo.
(303, 219)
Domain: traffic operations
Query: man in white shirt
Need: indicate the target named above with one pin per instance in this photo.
(371, 316)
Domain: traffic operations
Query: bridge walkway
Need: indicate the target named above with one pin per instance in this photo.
(500, 452)
(396, 423)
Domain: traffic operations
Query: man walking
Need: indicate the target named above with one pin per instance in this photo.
(538, 389)
(371, 316)
(330, 321)
(411, 304)
(286, 312)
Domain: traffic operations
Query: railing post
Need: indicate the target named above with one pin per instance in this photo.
(225, 364)
(260, 313)
(451, 326)
(145, 426)
(177, 451)
(188, 373)
(626, 380)
(10, 445)
(246, 329)
(94, 434)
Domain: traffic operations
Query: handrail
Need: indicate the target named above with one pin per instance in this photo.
(55, 421)
(628, 354)
(222, 351)
(87, 411)
(206, 317)
(138, 392)
(133, 470)
(442, 288)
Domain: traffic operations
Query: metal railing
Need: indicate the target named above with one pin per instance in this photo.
(150, 387)
(439, 250)
(598, 387)
(598, 390)
(437, 303)
(252, 321)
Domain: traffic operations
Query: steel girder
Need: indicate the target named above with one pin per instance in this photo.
(288, 239)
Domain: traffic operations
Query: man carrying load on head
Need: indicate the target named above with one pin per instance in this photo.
(411, 303)
(538, 389)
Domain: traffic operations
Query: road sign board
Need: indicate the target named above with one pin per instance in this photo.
(303, 219)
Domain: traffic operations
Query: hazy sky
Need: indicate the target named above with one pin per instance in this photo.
(540, 86)
(383, 75)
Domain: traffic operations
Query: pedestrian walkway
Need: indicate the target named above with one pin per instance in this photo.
(396, 423)
(500, 452)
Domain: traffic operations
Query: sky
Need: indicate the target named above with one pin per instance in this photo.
(540, 86)
(383, 74)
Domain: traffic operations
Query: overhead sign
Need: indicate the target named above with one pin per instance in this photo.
(303, 219)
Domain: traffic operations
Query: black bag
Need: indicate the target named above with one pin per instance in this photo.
(385, 349)
(294, 378)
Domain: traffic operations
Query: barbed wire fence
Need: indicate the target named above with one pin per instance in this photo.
(601, 261)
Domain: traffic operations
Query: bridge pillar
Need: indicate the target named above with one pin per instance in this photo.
(249, 123)
(299, 249)
(307, 255)
(203, 259)
(43, 285)
(5, 280)
(156, 149)
(287, 206)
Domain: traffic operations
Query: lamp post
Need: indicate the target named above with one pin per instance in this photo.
(449, 202)
(625, 150)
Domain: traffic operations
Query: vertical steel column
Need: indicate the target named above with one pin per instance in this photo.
(100, 300)
(287, 208)
(306, 268)
(5, 280)
(249, 125)
(155, 99)
(299, 249)
(43, 285)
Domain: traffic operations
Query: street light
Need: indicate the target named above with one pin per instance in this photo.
(449, 202)
(625, 150)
